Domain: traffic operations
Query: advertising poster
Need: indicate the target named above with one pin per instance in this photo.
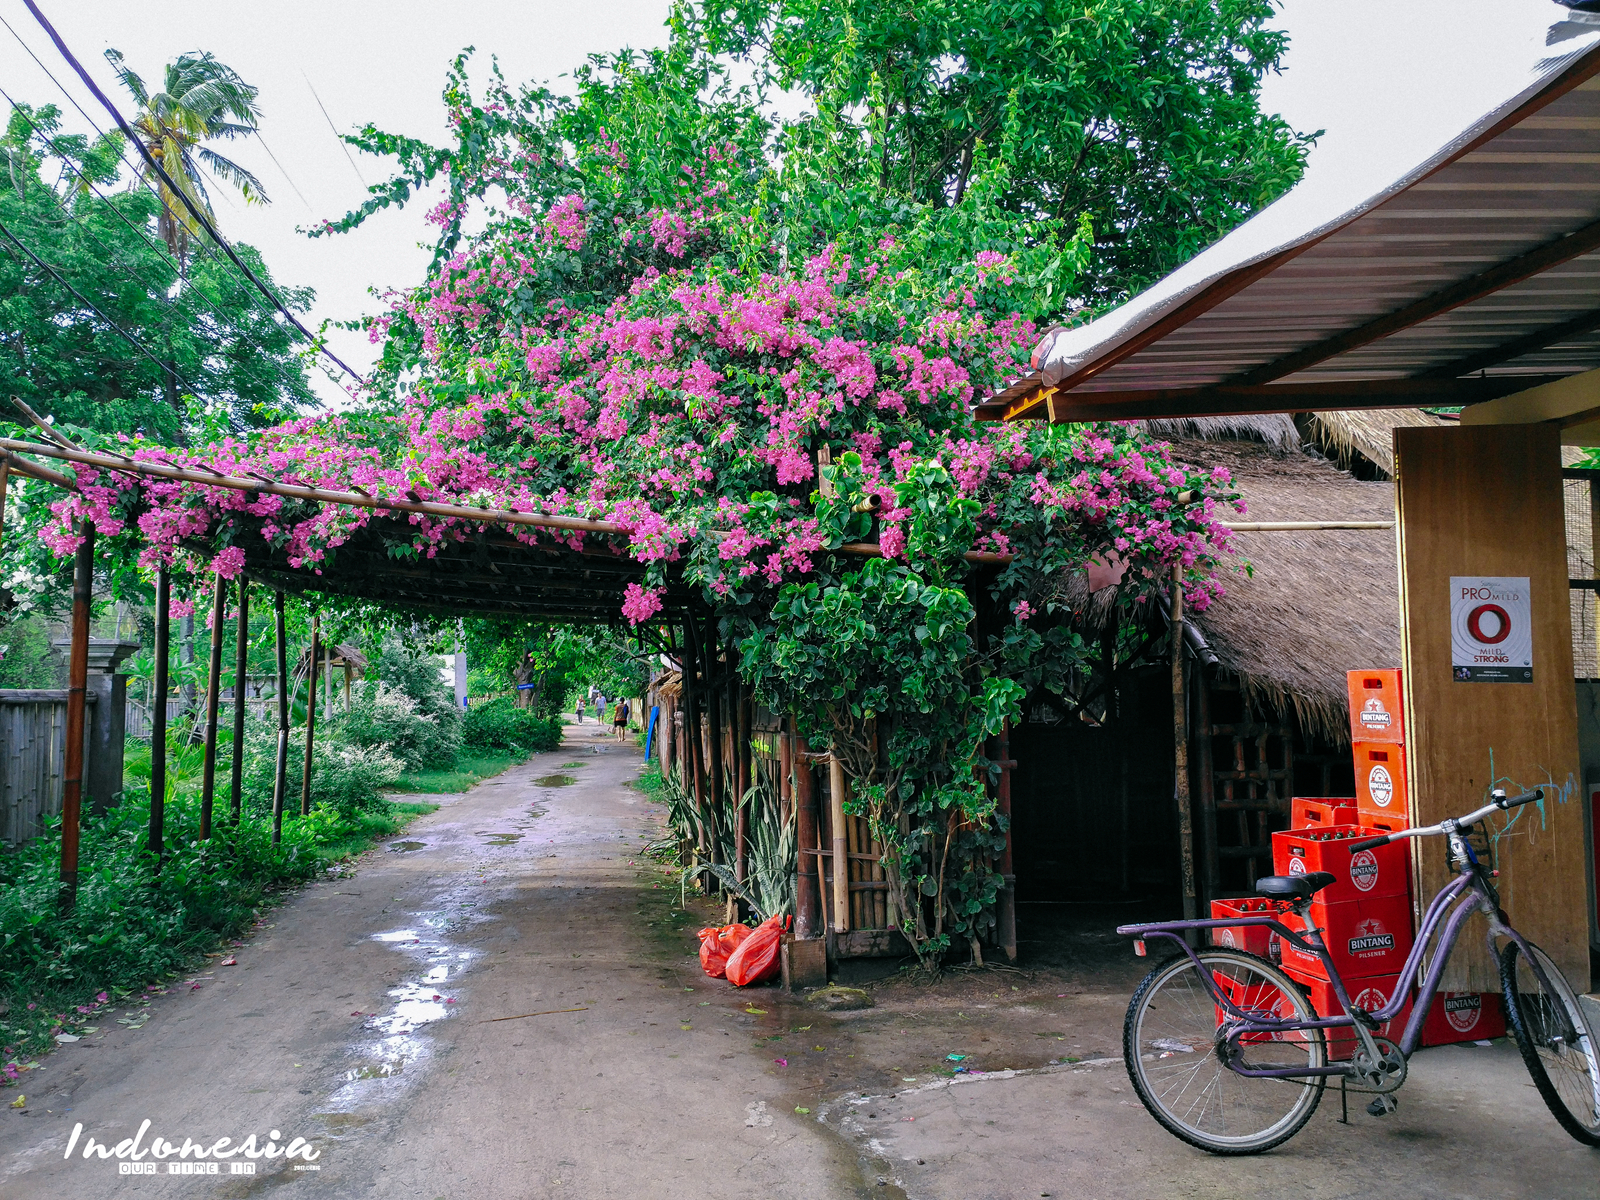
(1491, 629)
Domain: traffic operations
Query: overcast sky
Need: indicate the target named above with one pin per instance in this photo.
(1355, 68)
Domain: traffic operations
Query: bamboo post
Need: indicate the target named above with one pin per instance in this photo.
(208, 779)
(158, 717)
(1006, 908)
(241, 667)
(77, 686)
(5, 475)
(785, 774)
(1180, 750)
(327, 682)
(1210, 887)
(741, 758)
(311, 715)
(280, 782)
(808, 890)
(714, 784)
(841, 853)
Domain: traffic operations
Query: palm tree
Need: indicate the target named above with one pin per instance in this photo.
(202, 100)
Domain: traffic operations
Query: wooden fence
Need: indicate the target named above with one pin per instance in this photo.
(33, 739)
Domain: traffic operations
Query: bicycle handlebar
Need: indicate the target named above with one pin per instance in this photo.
(1500, 802)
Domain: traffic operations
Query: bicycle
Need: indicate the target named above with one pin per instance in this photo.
(1226, 1051)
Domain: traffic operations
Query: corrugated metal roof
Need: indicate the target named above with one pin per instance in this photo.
(1482, 255)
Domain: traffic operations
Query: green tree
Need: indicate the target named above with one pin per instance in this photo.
(97, 336)
(1143, 115)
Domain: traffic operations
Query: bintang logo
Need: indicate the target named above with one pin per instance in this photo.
(1381, 785)
(1364, 870)
(1371, 938)
(219, 1156)
(1463, 1010)
(1374, 715)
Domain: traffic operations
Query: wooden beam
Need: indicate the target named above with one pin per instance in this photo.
(77, 689)
(1551, 254)
(1550, 335)
(1488, 501)
(208, 770)
(280, 780)
(156, 843)
(241, 665)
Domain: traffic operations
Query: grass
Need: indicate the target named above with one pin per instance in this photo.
(650, 782)
(469, 769)
(134, 931)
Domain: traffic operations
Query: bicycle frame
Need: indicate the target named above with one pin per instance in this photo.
(1469, 892)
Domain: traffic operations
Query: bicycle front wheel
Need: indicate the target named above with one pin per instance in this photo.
(1557, 1040)
(1181, 1060)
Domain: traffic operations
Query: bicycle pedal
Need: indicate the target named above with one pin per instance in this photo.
(1382, 1106)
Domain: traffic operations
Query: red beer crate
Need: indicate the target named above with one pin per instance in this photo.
(1314, 812)
(1262, 1000)
(1381, 782)
(1257, 939)
(1377, 707)
(1463, 1017)
(1371, 994)
(1365, 937)
(1380, 871)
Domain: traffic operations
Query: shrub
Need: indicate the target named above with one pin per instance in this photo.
(499, 725)
(382, 715)
(345, 777)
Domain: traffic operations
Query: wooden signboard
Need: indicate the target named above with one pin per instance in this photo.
(1479, 504)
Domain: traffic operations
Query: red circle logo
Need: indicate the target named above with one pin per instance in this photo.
(1475, 627)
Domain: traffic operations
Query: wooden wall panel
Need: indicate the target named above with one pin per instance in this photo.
(1487, 500)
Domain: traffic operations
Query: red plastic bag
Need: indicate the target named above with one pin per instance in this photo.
(717, 944)
(756, 959)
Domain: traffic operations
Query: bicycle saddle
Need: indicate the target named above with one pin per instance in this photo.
(1294, 887)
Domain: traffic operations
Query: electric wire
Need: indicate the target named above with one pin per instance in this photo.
(158, 247)
(194, 210)
(164, 368)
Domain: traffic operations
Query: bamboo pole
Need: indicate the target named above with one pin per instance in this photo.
(280, 782)
(241, 668)
(311, 715)
(715, 782)
(77, 687)
(158, 717)
(808, 889)
(841, 853)
(208, 779)
(5, 473)
(490, 516)
(1180, 750)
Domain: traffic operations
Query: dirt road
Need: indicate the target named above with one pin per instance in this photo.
(366, 1017)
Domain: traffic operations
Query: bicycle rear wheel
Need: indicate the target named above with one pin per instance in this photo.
(1557, 1040)
(1173, 1042)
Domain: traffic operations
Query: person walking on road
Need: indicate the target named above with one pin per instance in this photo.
(619, 723)
(580, 710)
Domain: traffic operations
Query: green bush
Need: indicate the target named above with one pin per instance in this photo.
(131, 925)
(382, 715)
(499, 725)
(345, 777)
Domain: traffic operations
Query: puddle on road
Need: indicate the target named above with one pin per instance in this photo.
(403, 847)
(502, 839)
(555, 781)
(397, 1041)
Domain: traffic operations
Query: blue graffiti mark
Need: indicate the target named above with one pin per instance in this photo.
(1561, 793)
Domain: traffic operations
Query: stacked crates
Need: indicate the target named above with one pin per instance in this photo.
(1366, 915)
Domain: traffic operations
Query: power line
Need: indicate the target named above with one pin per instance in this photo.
(205, 251)
(194, 209)
(154, 245)
(164, 368)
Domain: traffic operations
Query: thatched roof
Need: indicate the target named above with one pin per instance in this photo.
(1316, 604)
(1365, 433)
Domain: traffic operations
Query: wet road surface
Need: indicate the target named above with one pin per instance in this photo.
(496, 1004)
